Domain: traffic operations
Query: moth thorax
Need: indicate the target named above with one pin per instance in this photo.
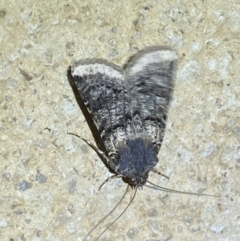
(137, 157)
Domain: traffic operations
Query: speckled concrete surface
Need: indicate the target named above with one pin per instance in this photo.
(49, 179)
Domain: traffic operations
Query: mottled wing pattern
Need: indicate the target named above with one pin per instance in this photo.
(103, 89)
(150, 77)
(129, 107)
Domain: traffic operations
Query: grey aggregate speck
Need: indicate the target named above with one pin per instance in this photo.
(24, 185)
(72, 186)
(132, 233)
(40, 178)
(6, 175)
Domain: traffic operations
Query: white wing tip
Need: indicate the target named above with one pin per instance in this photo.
(168, 55)
(86, 69)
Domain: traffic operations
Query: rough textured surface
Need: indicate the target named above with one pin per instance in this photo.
(49, 180)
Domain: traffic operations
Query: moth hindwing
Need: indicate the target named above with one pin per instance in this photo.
(129, 106)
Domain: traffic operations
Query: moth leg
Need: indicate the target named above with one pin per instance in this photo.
(99, 152)
(109, 178)
(159, 173)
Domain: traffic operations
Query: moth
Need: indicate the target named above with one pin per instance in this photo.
(129, 107)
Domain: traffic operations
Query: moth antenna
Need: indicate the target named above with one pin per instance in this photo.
(100, 153)
(104, 218)
(125, 209)
(176, 191)
(108, 179)
(159, 173)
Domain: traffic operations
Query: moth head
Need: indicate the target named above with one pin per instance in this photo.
(137, 157)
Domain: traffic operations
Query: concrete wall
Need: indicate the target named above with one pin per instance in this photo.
(49, 179)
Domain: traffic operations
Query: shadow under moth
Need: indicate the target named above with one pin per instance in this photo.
(129, 107)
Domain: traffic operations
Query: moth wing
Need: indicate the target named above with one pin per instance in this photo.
(150, 77)
(103, 89)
